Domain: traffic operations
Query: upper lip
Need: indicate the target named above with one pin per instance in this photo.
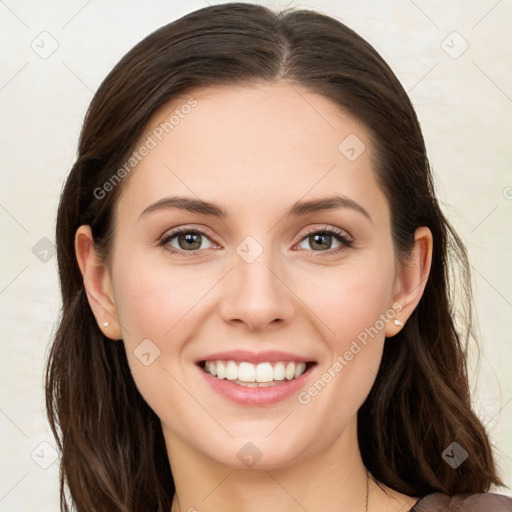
(255, 357)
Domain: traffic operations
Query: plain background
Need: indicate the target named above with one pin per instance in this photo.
(452, 57)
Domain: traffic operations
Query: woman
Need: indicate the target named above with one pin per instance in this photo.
(254, 271)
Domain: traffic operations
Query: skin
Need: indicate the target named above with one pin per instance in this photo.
(256, 151)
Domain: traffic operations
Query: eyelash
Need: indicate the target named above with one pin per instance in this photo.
(341, 236)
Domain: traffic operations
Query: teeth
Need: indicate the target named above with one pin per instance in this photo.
(212, 368)
(290, 371)
(221, 369)
(246, 372)
(231, 371)
(250, 375)
(279, 371)
(264, 372)
(299, 370)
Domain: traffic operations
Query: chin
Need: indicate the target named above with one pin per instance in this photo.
(261, 451)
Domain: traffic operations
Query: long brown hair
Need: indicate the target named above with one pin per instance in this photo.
(113, 451)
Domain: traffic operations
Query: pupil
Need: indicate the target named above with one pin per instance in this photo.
(189, 240)
(317, 240)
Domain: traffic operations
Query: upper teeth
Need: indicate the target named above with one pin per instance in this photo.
(248, 372)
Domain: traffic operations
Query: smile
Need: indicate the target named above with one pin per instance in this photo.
(261, 375)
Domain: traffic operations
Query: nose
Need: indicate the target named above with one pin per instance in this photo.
(257, 294)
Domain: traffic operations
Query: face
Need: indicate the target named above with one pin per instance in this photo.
(264, 278)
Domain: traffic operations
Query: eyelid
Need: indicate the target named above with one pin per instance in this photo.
(325, 228)
(187, 227)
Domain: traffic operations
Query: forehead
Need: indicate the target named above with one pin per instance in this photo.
(263, 143)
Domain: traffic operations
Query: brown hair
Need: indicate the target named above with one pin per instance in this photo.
(113, 452)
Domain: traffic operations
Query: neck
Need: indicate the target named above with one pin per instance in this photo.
(329, 481)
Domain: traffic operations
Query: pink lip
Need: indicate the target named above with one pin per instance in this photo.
(257, 397)
(271, 356)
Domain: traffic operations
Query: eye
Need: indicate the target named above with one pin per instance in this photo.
(321, 240)
(192, 241)
(186, 240)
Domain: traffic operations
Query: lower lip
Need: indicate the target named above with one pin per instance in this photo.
(256, 396)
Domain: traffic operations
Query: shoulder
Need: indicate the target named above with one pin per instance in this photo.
(484, 502)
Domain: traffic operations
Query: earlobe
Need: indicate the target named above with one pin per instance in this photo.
(412, 278)
(97, 283)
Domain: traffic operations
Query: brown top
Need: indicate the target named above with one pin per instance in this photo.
(485, 502)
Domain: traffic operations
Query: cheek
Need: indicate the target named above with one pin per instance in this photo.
(159, 310)
(353, 304)
(155, 306)
(153, 301)
(349, 299)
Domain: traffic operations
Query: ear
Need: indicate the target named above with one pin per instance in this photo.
(411, 280)
(97, 283)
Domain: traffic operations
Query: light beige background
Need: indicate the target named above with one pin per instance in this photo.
(464, 104)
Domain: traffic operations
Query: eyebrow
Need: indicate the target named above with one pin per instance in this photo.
(299, 208)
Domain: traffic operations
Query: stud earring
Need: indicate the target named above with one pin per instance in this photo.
(106, 324)
(398, 323)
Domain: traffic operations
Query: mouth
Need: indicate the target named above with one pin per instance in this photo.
(261, 375)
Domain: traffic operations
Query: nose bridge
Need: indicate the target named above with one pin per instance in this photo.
(257, 295)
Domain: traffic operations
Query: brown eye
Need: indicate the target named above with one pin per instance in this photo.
(326, 241)
(320, 241)
(186, 241)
